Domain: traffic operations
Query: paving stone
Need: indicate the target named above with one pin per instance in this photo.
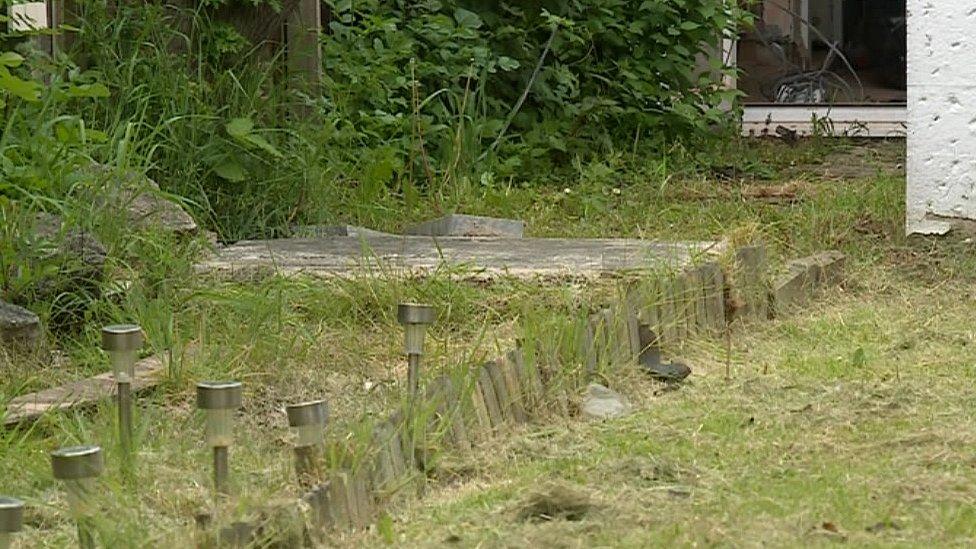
(793, 288)
(804, 277)
(325, 231)
(830, 267)
(470, 226)
(480, 258)
(602, 403)
(80, 393)
(19, 327)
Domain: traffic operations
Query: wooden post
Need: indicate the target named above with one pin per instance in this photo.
(304, 50)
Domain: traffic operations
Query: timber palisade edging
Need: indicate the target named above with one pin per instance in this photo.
(360, 475)
(524, 386)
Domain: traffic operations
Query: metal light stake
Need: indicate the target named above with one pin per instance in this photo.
(220, 400)
(11, 520)
(415, 318)
(308, 420)
(122, 343)
(78, 467)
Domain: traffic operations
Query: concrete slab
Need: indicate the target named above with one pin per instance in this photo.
(469, 225)
(84, 392)
(522, 257)
(322, 231)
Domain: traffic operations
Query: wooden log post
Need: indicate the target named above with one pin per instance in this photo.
(304, 50)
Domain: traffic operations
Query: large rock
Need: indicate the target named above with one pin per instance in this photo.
(18, 326)
(603, 403)
(141, 199)
(469, 225)
(77, 251)
(68, 266)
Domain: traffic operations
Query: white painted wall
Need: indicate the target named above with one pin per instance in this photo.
(941, 115)
(28, 16)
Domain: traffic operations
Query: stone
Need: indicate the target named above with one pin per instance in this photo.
(18, 326)
(145, 205)
(476, 258)
(830, 265)
(324, 231)
(793, 288)
(667, 372)
(71, 262)
(81, 393)
(803, 277)
(603, 403)
(470, 226)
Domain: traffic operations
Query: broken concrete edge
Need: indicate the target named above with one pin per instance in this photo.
(80, 393)
(331, 231)
(804, 278)
(462, 225)
(457, 258)
(351, 500)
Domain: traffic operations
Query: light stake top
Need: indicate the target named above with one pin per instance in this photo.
(11, 515)
(314, 412)
(77, 462)
(219, 395)
(416, 313)
(122, 337)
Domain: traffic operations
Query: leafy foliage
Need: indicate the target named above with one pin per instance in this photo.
(419, 99)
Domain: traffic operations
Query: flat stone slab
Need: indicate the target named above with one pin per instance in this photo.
(83, 392)
(17, 324)
(521, 257)
(320, 231)
(469, 225)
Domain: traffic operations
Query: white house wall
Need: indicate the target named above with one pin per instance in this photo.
(941, 115)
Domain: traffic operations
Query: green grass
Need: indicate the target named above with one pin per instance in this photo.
(724, 477)
(822, 448)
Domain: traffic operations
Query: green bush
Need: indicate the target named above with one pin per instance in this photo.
(419, 99)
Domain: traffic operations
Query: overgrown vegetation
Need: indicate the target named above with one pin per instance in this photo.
(418, 99)
(422, 111)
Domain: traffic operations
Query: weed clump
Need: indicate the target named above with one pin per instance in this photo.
(555, 502)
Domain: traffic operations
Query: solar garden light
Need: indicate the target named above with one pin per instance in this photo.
(308, 420)
(79, 467)
(122, 342)
(11, 519)
(219, 400)
(415, 318)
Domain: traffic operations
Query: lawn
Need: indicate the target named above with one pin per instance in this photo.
(846, 421)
